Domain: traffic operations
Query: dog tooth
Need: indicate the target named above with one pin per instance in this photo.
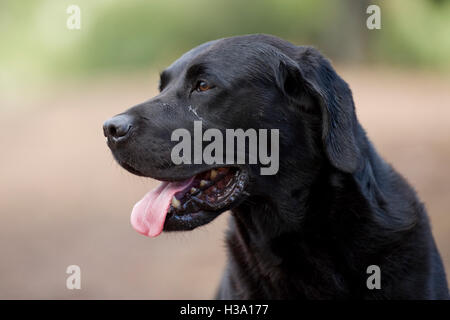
(175, 202)
(213, 174)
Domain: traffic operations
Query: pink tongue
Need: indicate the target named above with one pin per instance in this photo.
(149, 214)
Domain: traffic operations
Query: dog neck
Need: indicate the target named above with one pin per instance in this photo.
(313, 227)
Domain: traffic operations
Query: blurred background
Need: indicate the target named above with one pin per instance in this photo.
(64, 201)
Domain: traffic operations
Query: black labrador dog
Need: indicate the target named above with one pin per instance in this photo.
(335, 221)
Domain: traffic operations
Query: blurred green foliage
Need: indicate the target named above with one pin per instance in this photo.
(129, 35)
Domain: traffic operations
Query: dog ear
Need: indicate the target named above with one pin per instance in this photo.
(312, 75)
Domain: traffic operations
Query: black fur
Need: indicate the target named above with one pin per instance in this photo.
(334, 208)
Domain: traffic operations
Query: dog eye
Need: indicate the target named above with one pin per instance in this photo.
(202, 86)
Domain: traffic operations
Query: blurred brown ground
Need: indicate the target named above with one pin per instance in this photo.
(63, 200)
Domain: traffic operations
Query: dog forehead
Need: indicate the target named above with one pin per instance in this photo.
(186, 59)
(228, 55)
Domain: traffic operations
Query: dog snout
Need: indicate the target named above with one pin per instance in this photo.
(118, 128)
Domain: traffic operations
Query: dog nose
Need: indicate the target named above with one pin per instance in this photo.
(118, 127)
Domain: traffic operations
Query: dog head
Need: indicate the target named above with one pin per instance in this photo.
(257, 84)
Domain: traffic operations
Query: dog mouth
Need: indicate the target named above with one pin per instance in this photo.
(187, 204)
(210, 190)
